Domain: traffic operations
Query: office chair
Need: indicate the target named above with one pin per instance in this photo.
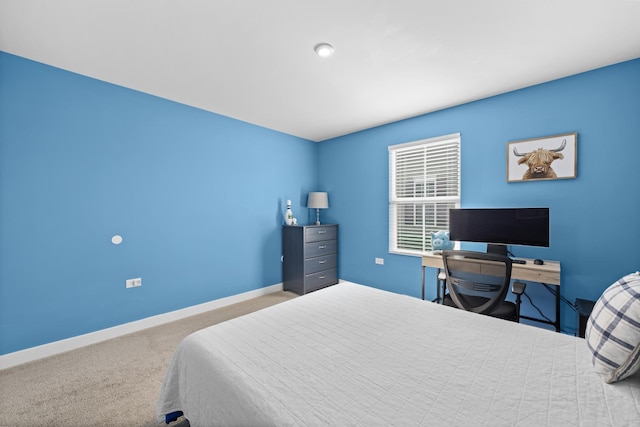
(479, 282)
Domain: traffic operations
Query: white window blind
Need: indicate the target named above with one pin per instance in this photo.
(424, 183)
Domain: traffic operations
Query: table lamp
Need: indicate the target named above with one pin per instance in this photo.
(318, 200)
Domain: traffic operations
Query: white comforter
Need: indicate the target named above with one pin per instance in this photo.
(350, 355)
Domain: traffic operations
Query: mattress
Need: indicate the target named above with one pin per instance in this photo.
(351, 355)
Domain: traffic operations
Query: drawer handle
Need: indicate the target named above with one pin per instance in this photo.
(322, 247)
(322, 277)
(324, 261)
(322, 231)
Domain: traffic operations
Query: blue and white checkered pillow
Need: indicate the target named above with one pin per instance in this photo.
(613, 330)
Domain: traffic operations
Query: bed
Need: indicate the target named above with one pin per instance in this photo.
(351, 355)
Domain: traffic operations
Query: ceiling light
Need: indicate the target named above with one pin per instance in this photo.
(324, 50)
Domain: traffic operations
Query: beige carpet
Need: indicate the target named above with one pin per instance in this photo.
(113, 383)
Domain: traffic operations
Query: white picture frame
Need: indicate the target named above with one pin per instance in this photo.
(542, 159)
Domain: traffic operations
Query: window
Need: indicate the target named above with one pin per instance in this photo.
(424, 183)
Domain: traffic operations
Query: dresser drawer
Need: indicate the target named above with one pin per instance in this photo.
(313, 265)
(319, 280)
(316, 249)
(316, 234)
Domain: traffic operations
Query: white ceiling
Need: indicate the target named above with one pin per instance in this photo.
(253, 59)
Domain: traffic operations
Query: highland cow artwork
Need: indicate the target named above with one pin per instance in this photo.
(538, 159)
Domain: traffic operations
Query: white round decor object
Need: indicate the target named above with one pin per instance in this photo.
(116, 240)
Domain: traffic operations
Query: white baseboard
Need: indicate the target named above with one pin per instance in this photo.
(34, 353)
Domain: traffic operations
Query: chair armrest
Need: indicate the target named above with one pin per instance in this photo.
(518, 287)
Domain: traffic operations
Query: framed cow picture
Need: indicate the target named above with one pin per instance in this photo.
(539, 159)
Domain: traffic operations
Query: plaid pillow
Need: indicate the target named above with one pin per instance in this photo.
(613, 330)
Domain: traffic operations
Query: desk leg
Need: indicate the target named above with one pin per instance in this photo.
(438, 284)
(557, 325)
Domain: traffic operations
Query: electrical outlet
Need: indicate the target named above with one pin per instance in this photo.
(133, 283)
(380, 261)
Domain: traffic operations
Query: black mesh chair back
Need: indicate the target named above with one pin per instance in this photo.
(479, 282)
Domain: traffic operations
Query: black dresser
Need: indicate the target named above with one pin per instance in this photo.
(310, 257)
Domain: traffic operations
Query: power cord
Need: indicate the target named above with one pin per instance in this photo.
(557, 294)
(536, 307)
(554, 292)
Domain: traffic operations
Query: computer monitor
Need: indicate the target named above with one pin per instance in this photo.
(499, 227)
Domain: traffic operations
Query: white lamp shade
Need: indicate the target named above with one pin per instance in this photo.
(318, 200)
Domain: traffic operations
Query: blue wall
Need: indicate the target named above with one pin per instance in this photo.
(197, 197)
(595, 218)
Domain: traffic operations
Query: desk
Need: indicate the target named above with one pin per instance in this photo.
(548, 273)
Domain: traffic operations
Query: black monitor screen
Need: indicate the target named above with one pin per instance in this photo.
(506, 226)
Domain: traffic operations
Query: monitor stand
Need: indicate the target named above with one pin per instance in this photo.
(497, 249)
